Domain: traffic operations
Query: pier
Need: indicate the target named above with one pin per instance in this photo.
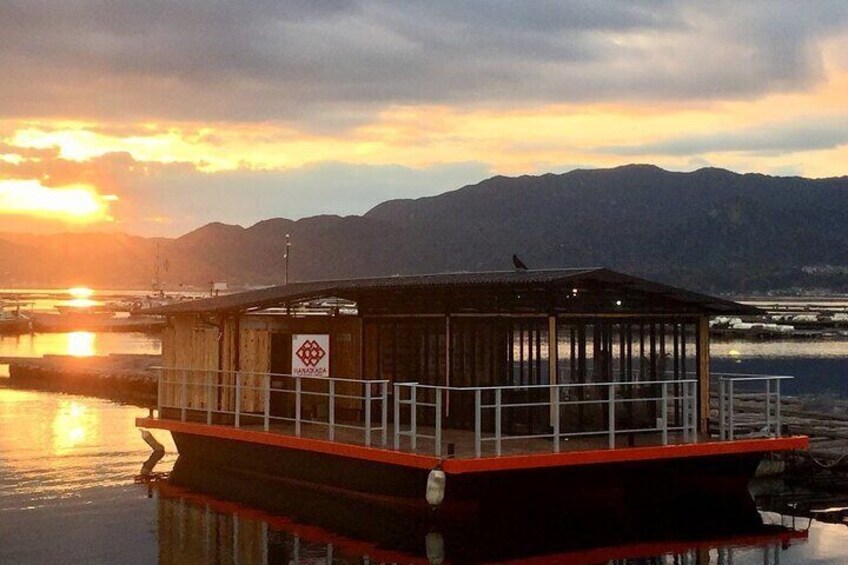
(120, 377)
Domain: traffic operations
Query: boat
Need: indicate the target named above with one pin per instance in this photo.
(12, 319)
(464, 391)
(70, 318)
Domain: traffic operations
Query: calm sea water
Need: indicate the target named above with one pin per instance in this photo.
(67, 493)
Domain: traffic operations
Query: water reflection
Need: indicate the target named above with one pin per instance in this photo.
(54, 445)
(81, 344)
(73, 425)
(274, 523)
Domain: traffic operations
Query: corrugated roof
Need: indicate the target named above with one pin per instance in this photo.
(350, 288)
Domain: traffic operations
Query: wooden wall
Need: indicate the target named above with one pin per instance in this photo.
(190, 354)
(191, 345)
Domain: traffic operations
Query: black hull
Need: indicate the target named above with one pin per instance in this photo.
(693, 480)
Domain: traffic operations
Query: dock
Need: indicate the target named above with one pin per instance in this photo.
(121, 377)
(823, 419)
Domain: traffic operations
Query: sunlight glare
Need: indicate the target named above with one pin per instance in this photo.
(81, 292)
(73, 425)
(81, 344)
(74, 203)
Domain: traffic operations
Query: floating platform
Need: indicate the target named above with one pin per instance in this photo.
(391, 477)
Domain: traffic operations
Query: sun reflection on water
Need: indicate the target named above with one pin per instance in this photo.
(81, 344)
(73, 425)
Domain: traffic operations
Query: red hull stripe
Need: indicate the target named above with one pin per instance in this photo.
(291, 442)
(485, 464)
(625, 455)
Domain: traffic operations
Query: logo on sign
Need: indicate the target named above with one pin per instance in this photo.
(310, 353)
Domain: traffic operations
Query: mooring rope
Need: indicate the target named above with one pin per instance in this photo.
(831, 465)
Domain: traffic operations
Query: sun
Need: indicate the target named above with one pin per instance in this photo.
(81, 292)
(77, 203)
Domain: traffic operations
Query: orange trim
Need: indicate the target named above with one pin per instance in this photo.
(484, 464)
(624, 455)
(305, 444)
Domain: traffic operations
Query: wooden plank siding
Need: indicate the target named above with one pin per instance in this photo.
(190, 342)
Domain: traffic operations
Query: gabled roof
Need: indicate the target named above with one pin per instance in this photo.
(495, 284)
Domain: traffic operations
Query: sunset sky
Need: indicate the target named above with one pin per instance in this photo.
(156, 117)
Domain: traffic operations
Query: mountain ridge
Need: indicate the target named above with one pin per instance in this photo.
(710, 229)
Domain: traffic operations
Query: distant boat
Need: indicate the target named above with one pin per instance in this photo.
(13, 320)
(94, 317)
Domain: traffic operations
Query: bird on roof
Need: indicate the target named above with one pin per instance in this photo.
(518, 263)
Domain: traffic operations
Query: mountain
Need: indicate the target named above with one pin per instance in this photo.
(710, 229)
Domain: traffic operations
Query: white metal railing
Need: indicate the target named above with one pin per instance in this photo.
(242, 396)
(736, 388)
(672, 400)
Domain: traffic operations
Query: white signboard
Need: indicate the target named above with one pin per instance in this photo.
(311, 355)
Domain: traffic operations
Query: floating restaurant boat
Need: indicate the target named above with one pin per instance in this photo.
(474, 388)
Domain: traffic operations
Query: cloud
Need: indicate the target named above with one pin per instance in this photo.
(332, 64)
(804, 134)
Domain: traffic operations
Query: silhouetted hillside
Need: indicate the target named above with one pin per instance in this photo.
(710, 229)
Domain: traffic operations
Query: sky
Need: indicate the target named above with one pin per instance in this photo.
(155, 118)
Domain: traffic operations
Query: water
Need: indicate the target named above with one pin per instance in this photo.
(819, 367)
(67, 494)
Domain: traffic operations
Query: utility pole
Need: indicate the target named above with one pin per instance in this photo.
(157, 282)
(286, 258)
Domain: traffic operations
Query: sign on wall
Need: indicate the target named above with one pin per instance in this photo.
(311, 355)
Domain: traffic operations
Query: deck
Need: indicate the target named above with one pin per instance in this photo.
(409, 423)
(518, 454)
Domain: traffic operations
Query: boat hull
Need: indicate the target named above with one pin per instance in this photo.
(696, 479)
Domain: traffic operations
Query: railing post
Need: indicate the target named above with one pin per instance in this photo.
(722, 430)
(297, 405)
(693, 410)
(730, 431)
(238, 399)
(331, 409)
(778, 431)
(368, 414)
(664, 413)
(208, 397)
(267, 408)
(611, 416)
(478, 436)
(768, 406)
(438, 439)
(396, 423)
(159, 388)
(685, 403)
(183, 396)
(384, 418)
(556, 418)
(413, 417)
(498, 420)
